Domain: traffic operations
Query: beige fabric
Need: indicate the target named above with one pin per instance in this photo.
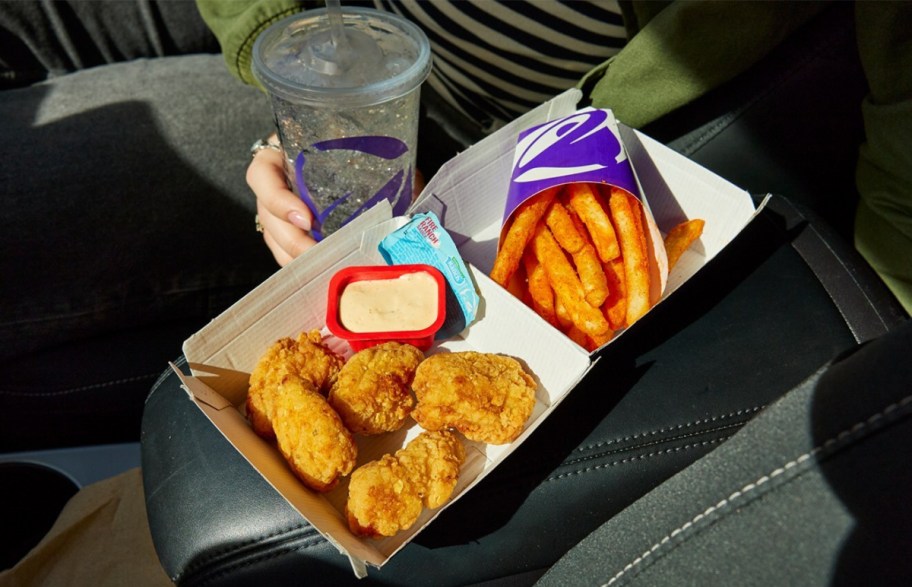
(101, 538)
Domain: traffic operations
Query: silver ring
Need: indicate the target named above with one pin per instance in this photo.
(261, 144)
(259, 227)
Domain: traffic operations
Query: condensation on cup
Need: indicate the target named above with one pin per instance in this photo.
(346, 113)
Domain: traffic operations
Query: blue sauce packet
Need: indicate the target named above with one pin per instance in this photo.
(424, 240)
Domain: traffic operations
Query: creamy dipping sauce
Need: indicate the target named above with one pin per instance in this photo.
(408, 302)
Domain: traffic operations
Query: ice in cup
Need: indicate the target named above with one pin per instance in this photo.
(346, 108)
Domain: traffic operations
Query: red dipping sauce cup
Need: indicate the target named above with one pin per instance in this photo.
(377, 307)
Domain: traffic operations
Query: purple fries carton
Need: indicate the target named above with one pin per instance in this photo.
(583, 147)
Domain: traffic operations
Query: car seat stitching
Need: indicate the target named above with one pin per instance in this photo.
(627, 460)
(585, 454)
(675, 428)
(832, 444)
(718, 431)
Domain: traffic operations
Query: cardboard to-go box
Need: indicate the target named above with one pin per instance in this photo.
(467, 195)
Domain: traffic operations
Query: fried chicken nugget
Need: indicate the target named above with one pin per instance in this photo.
(387, 495)
(485, 396)
(305, 357)
(372, 393)
(311, 435)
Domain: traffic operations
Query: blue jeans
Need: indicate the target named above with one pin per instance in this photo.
(127, 223)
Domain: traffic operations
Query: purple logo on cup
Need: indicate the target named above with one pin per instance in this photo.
(581, 147)
(398, 190)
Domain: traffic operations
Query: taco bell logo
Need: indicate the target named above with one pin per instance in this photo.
(581, 147)
(397, 189)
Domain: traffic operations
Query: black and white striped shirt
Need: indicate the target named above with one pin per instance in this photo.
(495, 60)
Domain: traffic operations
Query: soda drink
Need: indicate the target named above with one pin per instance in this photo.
(345, 100)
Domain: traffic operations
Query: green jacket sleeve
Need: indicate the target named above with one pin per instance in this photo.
(681, 50)
(236, 24)
(883, 225)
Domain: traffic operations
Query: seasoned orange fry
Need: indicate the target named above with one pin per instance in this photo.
(583, 200)
(626, 214)
(595, 284)
(563, 316)
(578, 336)
(594, 342)
(680, 238)
(562, 226)
(539, 289)
(615, 307)
(516, 285)
(525, 219)
(571, 235)
(566, 283)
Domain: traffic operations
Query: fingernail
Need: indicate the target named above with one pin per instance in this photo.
(299, 220)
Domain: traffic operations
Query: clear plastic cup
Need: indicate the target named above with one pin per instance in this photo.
(346, 114)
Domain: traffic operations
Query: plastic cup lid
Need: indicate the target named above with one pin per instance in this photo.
(391, 57)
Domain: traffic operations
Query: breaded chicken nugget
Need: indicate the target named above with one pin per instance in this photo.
(387, 495)
(434, 458)
(485, 396)
(373, 393)
(305, 357)
(311, 436)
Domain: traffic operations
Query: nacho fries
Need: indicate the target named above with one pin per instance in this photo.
(578, 255)
(680, 238)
